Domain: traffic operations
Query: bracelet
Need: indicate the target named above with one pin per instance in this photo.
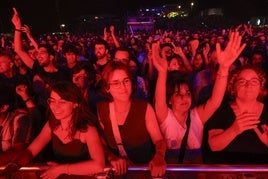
(18, 30)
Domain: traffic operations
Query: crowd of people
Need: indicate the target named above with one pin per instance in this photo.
(82, 102)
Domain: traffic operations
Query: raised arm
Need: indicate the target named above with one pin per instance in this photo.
(27, 31)
(116, 43)
(17, 41)
(161, 65)
(186, 62)
(225, 58)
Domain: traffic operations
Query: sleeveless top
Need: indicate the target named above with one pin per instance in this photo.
(71, 152)
(135, 137)
(173, 133)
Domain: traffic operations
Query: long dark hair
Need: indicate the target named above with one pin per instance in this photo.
(82, 116)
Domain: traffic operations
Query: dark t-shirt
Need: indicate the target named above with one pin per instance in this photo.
(63, 74)
(245, 148)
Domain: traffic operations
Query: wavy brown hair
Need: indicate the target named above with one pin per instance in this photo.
(82, 116)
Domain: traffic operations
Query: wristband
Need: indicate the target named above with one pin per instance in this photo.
(18, 30)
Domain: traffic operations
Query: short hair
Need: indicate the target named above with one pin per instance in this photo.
(49, 49)
(109, 68)
(7, 54)
(69, 47)
(100, 41)
(234, 75)
(88, 68)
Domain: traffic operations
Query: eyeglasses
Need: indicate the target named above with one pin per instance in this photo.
(60, 102)
(117, 84)
(251, 82)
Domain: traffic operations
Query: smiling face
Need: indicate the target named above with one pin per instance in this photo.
(43, 57)
(174, 64)
(81, 79)
(181, 99)
(247, 86)
(120, 86)
(62, 109)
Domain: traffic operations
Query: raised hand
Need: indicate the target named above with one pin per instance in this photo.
(206, 50)
(26, 29)
(112, 29)
(16, 19)
(159, 62)
(22, 91)
(194, 45)
(234, 47)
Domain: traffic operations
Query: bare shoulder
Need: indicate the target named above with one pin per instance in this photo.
(88, 134)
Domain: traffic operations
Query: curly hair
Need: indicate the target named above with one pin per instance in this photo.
(234, 75)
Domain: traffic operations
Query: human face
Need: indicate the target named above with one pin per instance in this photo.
(257, 59)
(80, 79)
(198, 61)
(5, 64)
(174, 64)
(17, 61)
(122, 56)
(181, 100)
(120, 86)
(71, 57)
(62, 109)
(43, 57)
(100, 51)
(247, 86)
(167, 51)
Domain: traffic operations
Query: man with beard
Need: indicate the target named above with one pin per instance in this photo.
(44, 64)
(102, 56)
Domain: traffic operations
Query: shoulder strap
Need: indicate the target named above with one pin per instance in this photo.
(184, 139)
(116, 132)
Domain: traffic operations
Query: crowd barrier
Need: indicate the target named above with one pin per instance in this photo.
(178, 171)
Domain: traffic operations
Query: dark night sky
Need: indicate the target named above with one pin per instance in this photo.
(42, 14)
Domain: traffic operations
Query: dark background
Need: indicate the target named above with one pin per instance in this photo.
(46, 15)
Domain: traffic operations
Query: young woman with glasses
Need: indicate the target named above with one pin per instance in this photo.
(130, 127)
